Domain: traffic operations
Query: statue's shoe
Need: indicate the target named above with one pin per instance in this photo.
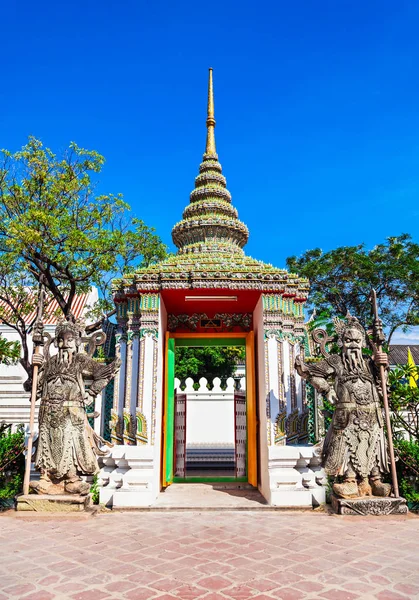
(347, 489)
(380, 489)
(43, 486)
(364, 488)
(77, 487)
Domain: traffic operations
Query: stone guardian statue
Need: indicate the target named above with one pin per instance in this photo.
(67, 445)
(355, 447)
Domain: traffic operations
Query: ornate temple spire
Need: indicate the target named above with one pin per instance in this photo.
(210, 223)
(210, 147)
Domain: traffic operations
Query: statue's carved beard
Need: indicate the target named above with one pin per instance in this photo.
(65, 356)
(352, 357)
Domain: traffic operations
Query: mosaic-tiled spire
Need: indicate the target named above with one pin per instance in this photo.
(210, 222)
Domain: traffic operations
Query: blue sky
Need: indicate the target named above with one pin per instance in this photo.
(316, 106)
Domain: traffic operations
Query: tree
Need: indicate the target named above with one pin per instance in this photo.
(208, 362)
(341, 280)
(9, 351)
(404, 402)
(54, 228)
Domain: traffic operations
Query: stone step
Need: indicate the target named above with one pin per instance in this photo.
(233, 485)
(210, 496)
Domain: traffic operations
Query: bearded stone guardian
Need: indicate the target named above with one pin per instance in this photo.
(67, 445)
(355, 446)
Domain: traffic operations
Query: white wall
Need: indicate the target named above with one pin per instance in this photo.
(210, 415)
(210, 421)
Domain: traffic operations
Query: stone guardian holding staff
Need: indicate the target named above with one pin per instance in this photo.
(67, 445)
(355, 447)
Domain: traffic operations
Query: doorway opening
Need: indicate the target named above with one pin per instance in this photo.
(210, 421)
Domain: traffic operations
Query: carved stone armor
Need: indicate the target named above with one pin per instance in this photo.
(67, 445)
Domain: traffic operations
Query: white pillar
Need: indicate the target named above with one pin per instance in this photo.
(117, 425)
(298, 382)
(134, 374)
(122, 375)
(147, 382)
(273, 380)
(287, 374)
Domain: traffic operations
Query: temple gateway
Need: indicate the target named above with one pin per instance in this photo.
(211, 294)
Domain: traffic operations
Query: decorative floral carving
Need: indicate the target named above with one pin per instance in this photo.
(142, 433)
(228, 320)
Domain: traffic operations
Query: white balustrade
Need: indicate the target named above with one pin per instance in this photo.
(210, 410)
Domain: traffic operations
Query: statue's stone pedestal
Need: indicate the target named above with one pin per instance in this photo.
(369, 505)
(53, 503)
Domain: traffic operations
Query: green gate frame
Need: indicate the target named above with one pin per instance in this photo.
(189, 340)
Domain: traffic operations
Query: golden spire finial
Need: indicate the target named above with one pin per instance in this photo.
(210, 147)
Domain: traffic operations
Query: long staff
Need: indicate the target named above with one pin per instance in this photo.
(378, 340)
(38, 342)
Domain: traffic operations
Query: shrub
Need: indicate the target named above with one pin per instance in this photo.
(94, 490)
(12, 461)
(408, 471)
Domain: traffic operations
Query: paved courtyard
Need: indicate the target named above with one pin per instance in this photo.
(213, 555)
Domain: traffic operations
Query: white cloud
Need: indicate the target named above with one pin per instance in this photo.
(412, 337)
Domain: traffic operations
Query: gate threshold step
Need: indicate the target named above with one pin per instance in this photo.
(210, 496)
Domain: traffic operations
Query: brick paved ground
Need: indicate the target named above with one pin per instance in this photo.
(211, 555)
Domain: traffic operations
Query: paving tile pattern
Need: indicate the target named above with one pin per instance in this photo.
(211, 555)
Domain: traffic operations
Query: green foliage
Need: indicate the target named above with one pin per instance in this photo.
(12, 461)
(328, 410)
(404, 410)
(408, 471)
(94, 489)
(9, 351)
(208, 362)
(404, 402)
(51, 220)
(341, 280)
(53, 227)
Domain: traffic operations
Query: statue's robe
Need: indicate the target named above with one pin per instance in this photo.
(355, 437)
(67, 443)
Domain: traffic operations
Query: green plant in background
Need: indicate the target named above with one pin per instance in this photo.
(9, 351)
(12, 462)
(208, 362)
(408, 471)
(341, 281)
(328, 410)
(404, 407)
(54, 226)
(100, 355)
(404, 402)
(94, 490)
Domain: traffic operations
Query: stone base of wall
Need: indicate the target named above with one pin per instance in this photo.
(296, 478)
(52, 503)
(369, 506)
(129, 477)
